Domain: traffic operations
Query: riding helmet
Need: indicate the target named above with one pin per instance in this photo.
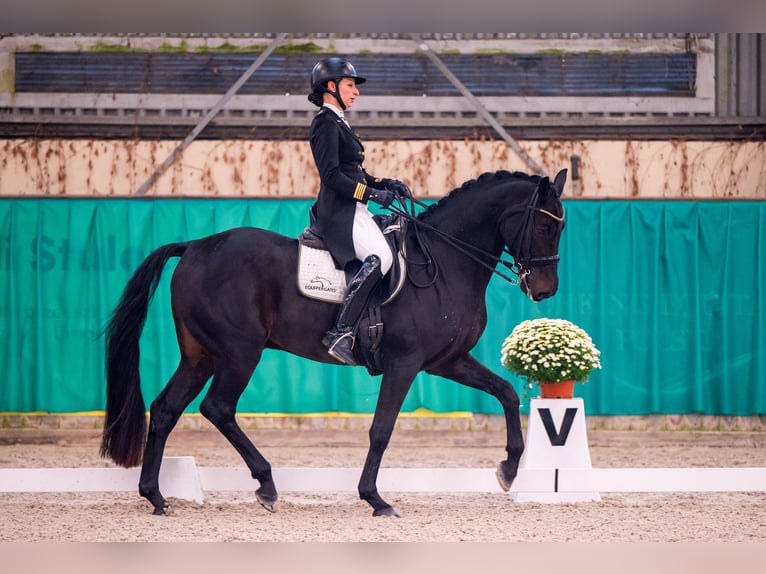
(334, 69)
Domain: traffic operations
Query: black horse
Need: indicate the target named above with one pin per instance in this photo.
(234, 294)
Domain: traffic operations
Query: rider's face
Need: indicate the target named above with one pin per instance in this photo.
(347, 90)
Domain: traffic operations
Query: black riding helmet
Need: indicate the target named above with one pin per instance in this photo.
(334, 69)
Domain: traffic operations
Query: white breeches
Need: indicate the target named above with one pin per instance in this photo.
(369, 239)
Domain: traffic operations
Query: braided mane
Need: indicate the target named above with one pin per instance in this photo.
(485, 179)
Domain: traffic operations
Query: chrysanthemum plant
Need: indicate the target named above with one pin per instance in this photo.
(550, 350)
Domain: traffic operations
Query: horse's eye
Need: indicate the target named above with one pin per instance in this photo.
(542, 230)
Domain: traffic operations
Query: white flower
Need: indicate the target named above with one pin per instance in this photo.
(550, 349)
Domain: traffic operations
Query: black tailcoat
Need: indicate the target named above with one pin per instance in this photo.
(338, 154)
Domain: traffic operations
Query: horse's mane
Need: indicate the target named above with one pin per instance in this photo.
(485, 179)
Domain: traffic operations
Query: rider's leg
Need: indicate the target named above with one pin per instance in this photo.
(371, 248)
(369, 239)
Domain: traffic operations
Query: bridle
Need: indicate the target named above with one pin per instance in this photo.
(521, 266)
(524, 262)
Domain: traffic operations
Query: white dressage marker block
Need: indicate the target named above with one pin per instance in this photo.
(556, 440)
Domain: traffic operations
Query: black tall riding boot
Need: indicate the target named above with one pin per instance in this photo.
(340, 339)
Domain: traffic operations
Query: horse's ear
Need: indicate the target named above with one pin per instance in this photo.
(543, 187)
(559, 181)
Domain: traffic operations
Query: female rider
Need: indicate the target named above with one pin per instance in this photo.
(340, 211)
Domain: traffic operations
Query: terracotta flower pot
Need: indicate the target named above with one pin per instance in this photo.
(560, 390)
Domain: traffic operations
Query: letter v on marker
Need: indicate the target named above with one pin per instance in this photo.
(558, 438)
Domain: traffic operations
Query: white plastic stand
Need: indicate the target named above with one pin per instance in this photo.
(556, 439)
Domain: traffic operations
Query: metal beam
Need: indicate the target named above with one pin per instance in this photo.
(210, 115)
(483, 112)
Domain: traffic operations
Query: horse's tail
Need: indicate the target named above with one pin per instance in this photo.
(125, 423)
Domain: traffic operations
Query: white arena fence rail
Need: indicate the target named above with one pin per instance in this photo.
(181, 478)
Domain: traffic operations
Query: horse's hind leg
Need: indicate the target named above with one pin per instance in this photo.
(468, 371)
(166, 409)
(219, 407)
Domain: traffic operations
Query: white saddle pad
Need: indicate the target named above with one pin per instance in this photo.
(318, 277)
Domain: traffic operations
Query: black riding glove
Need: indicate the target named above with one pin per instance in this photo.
(382, 196)
(398, 187)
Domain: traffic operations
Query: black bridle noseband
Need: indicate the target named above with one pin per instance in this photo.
(521, 265)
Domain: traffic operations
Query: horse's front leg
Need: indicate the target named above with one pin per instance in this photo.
(393, 389)
(468, 371)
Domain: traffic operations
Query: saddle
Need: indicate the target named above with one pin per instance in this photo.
(319, 278)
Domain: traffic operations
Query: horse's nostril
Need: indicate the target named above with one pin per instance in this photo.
(542, 295)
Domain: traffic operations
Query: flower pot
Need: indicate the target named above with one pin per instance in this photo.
(560, 390)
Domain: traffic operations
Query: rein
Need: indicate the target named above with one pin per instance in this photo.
(520, 266)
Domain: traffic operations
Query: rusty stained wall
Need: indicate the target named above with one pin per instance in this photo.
(235, 168)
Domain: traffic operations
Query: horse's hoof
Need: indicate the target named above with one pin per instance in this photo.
(164, 510)
(504, 480)
(267, 502)
(388, 511)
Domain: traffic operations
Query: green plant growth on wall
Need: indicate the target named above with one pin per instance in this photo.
(7, 82)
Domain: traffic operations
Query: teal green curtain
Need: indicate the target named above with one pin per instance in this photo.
(670, 292)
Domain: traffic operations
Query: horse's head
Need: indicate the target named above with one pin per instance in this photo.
(535, 243)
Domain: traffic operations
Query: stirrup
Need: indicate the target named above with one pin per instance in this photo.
(342, 348)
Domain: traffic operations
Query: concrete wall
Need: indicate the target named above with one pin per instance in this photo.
(608, 169)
